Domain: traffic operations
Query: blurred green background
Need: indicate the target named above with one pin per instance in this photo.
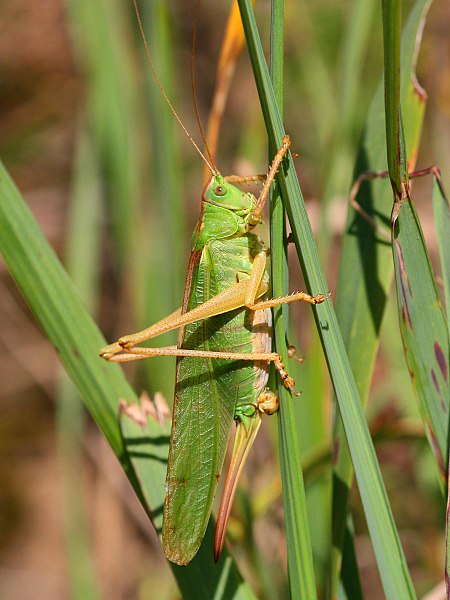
(115, 186)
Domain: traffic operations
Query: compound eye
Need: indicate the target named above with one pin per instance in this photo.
(220, 190)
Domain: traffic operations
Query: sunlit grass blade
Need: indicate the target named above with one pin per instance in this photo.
(340, 96)
(298, 541)
(366, 267)
(390, 558)
(60, 312)
(57, 307)
(336, 171)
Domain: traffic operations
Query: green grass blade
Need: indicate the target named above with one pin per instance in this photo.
(422, 322)
(390, 558)
(62, 316)
(300, 563)
(361, 297)
(60, 312)
(340, 151)
(395, 142)
(441, 210)
(424, 330)
(350, 584)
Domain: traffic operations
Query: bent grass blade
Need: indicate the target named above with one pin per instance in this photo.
(424, 330)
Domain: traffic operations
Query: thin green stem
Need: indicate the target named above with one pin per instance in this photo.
(395, 142)
(300, 562)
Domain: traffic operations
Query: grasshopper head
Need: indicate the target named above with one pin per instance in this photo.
(225, 211)
(225, 195)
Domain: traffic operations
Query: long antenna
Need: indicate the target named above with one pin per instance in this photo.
(175, 114)
(194, 93)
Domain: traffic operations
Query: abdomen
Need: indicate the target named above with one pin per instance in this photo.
(206, 394)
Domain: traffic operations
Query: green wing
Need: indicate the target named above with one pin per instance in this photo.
(202, 420)
(205, 397)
